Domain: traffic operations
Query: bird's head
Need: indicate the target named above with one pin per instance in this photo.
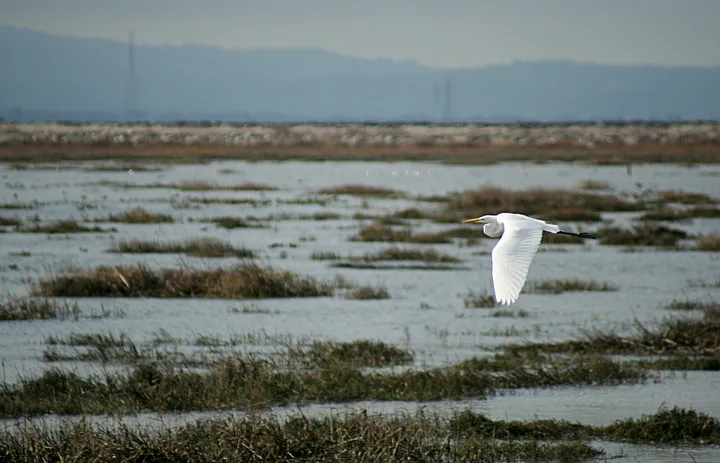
(482, 219)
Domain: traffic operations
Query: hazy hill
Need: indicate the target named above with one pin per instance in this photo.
(51, 77)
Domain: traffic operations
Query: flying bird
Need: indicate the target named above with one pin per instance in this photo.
(514, 252)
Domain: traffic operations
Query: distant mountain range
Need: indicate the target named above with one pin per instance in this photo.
(50, 77)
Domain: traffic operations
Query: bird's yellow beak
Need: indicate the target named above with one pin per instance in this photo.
(475, 220)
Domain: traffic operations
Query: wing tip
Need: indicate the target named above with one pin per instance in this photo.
(506, 300)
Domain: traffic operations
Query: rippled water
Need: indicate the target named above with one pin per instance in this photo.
(425, 312)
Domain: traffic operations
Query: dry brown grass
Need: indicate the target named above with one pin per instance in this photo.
(708, 243)
(243, 281)
(645, 234)
(140, 215)
(540, 202)
(378, 232)
(63, 226)
(453, 154)
(196, 247)
(684, 197)
(362, 190)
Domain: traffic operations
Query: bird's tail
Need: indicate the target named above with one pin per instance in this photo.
(551, 227)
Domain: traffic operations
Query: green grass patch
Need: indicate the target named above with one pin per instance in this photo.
(360, 353)
(675, 336)
(28, 308)
(244, 381)
(666, 426)
(18, 205)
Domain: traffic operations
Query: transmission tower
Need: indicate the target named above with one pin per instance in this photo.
(130, 82)
(448, 99)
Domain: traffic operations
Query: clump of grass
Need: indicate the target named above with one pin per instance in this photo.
(361, 353)
(690, 304)
(196, 247)
(667, 214)
(594, 185)
(708, 243)
(646, 234)
(381, 232)
(122, 168)
(243, 281)
(362, 190)
(10, 221)
(98, 347)
(683, 197)
(245, 381)
(562, 286)
(368, 292)
(198, 185)
(64, 226)
(411, 213)
(673, 336)
(392, 254)
(250, 186)
(325, 255)
(255, 202)
(335, 438)
(510, 313)
(18, 205)
(531, 202)
(372, 266)
(704, 212)
(231, 223)
(666, 426)
(140, 215)
(475, 300)
(27, 308)
(404, 254)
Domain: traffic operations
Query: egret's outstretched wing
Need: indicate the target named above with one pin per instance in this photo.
(512, 256)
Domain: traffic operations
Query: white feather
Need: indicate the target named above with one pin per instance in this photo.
(512, 256)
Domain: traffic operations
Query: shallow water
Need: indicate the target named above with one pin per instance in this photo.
(425, 312)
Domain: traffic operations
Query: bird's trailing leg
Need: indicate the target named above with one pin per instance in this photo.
(581, 235)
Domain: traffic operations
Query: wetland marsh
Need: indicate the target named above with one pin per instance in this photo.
(334, 310)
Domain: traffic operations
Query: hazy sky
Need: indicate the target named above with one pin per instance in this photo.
(441, 32)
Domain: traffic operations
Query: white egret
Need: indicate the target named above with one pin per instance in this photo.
(513, 254)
